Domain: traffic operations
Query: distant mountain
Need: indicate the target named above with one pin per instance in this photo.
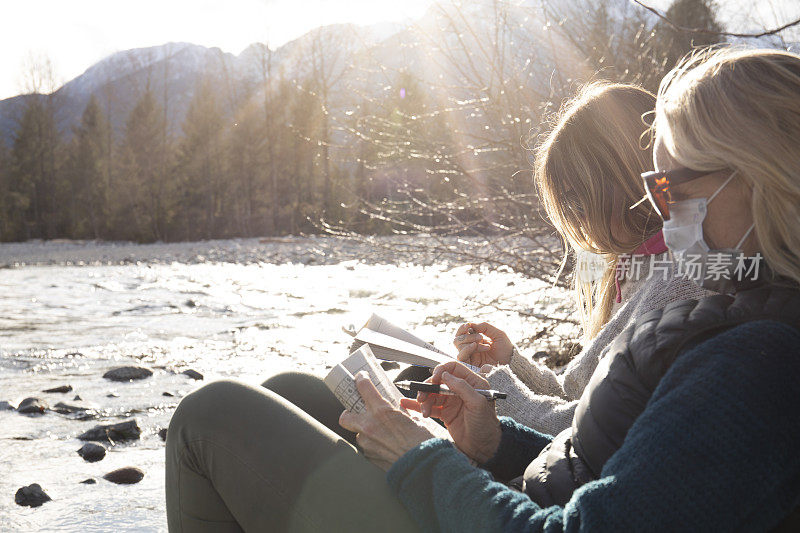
(377, 53)
(172, 71)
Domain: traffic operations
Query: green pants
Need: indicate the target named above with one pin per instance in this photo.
(241, 458)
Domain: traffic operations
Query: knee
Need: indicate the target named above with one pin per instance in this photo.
(205, 405)
(289, 381)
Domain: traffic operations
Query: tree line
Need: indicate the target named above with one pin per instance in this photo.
(321, 152)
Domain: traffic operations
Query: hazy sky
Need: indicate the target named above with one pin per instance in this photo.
(75, 34)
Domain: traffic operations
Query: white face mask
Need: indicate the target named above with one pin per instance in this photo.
(683, 235)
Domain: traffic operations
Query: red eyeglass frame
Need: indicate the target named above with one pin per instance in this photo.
(658, 182)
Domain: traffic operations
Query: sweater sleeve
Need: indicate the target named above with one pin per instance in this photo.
(519, 445)
(715, 449)
(536, 377)
(547, 414)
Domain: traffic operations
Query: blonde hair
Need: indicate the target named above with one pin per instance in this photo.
(587, 168)
(739, 109)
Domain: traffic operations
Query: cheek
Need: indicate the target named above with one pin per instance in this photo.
(729, 217)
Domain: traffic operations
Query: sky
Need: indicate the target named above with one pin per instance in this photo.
(75, 34)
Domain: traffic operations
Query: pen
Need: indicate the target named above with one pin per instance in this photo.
(419, 386)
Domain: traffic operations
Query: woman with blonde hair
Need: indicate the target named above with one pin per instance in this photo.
(587, 172)
(588, 176)
(691, 420)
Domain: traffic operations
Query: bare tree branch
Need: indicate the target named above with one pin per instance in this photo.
(712, 32)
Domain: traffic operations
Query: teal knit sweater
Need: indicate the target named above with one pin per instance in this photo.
(716, 449)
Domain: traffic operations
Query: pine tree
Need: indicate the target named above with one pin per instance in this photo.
(245, 167)
(89, 174)
(34, 184)
(303, 126)
(145, 190)
(6, 232)
(202, 185)
(690, 14)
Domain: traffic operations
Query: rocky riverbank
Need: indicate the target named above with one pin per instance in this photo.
(106, 352)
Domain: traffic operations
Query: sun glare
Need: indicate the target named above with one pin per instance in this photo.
(76, 34)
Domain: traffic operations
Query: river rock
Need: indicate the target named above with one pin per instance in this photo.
(194, 374)
(128, 373)
(128, 430)
(163, 434)
(62, 389)
(5, 406)
(77, 398)
(89, 481)
(32, 406)
(167, 394)
(389, 365)
(66, 408)
(92, 453)
(31, 496)
(125, 476)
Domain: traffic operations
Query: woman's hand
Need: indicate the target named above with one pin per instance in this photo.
(486, 345)
(469, 417)
(383, 432)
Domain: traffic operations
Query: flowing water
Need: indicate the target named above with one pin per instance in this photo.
(64, 325)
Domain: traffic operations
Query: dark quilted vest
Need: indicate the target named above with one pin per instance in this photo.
(627, 376)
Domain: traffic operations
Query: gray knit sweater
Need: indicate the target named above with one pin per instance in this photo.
(545, 401)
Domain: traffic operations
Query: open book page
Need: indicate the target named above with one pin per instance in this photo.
(393, 343)
(392, 349)
(341, 380)
(381, 325)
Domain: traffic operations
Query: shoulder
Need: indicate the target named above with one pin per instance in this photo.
(760, 338)
(761, 356)
(656, 286)
(663, 286)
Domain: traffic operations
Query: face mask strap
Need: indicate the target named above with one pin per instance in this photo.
(744, 237)
(721, 187)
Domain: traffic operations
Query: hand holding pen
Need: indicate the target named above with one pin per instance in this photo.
(468, 416)
(431, 388)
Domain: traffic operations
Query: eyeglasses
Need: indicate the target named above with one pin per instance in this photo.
(658, 182)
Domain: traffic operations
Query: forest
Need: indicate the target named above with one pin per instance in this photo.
(345, 139)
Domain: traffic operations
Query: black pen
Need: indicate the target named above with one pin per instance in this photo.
(419, 386)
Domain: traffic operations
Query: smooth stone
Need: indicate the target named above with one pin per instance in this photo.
(31, 496)
(5, 406)
(167, 394)
(112, 395)
(128, 430)
(92, 453)
(125, 476)
(32, 406)
(66, 408)
(62, 388)
(389, 365)
(89, 481)
(128, 373)
(163, 434)
(194, 374)
(77, 398)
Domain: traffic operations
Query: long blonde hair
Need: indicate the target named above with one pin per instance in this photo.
(587, 168)
(739, 109)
